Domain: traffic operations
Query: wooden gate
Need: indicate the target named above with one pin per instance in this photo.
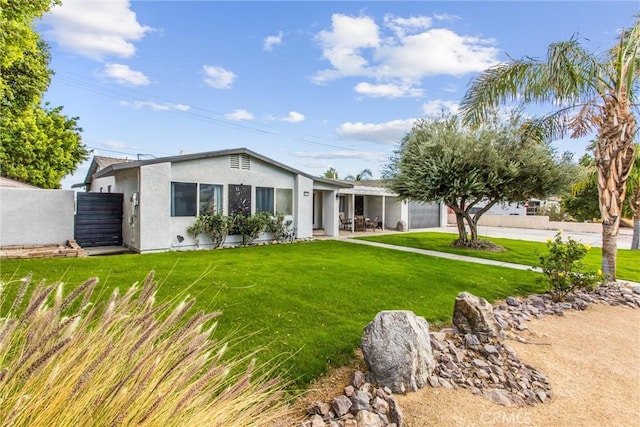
(98, 219)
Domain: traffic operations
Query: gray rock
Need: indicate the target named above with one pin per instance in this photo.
(401, 226)
(471, 340)
(512, 302)
(498, 396)
(360, 402)
(474, 315)
(317, 421)
(397, 350)
(341, 405)
(368, 419)
(348, 390)
(357, 379)
(380, 406)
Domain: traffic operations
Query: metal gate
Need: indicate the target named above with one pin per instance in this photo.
(424, 215)
(98, 219)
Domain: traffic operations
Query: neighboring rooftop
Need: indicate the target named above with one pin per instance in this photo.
(12, 183)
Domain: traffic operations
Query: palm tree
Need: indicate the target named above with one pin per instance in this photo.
(590, 180)
(591, 93)
(364, 175)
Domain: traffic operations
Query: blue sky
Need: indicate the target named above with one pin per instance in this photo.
(310, 84)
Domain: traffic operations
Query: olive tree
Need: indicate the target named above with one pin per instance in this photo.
(472, 170)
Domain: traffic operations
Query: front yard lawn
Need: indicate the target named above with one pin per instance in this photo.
(516, 251)
(305, 303)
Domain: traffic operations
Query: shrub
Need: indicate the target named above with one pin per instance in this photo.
(250, 227)
(216, 226)
(563, 268)
(67, 362)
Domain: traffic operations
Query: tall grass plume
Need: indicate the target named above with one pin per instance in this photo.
(68, 362)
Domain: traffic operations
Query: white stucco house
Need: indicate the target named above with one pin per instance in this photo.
(163, 196)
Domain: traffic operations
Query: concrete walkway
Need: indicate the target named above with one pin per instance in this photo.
(446, 255)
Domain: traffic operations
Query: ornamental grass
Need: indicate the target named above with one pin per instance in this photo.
(67, 362)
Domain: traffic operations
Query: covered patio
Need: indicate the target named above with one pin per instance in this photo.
(369, 206)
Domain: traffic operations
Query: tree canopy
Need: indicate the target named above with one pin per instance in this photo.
(38, 144)
(472, 170)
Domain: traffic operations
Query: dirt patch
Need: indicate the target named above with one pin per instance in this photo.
(592, 361)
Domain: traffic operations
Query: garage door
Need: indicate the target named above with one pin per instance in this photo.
(424, 215)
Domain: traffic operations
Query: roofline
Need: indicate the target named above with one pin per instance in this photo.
(111, 169)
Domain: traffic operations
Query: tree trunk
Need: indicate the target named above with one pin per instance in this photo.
(462, 231)
(615, 154)
(609, 250)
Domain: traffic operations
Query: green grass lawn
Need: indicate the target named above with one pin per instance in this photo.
(306, 303)
(516, 251)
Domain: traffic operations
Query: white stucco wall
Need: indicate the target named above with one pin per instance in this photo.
(34, 217)
(330, 221)
(153, 229)
(154, 210)
(393, 212)
(103, 184)
(303, 209)
(126, 182)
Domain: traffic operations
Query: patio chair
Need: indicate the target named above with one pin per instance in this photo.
(360, 224)
(372, 224)
(345, 224)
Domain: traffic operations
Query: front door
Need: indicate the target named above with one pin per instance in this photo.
(317, 210)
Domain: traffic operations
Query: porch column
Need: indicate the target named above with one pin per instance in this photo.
(353, 212)
(384, 198)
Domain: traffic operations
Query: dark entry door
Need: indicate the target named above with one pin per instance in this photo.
(98, 219)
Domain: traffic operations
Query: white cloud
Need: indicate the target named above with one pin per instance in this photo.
(388, 90)
(155, 106)
(292, 117)
(238, 115)
(390, 132)
(271, 41)
(218, 77)
(96, 29)
(436, 106)
(125, 75)
(404, 50)
(403, 26)
(342, 154)
(343, 46)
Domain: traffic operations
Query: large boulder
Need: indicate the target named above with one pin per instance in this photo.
(474, 315)
(397, 350)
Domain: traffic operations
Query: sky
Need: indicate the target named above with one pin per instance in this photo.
(313, 85)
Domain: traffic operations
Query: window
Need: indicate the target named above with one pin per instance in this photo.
(210, 199)
(109, 189)
(264, 199)
(183, 198)
(284, 201)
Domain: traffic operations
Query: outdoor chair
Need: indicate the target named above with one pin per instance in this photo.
(360, 224)
(345, 224)
(372, 224)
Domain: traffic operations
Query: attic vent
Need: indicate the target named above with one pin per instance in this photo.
(246, 162)
(240, 161)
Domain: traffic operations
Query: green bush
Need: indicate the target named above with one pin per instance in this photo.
(250, 227)
(67, 362)
(217, 227)
(563, 269)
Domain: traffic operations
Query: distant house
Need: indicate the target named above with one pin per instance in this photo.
(163, 196)
(11, 183)
(100, 185)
